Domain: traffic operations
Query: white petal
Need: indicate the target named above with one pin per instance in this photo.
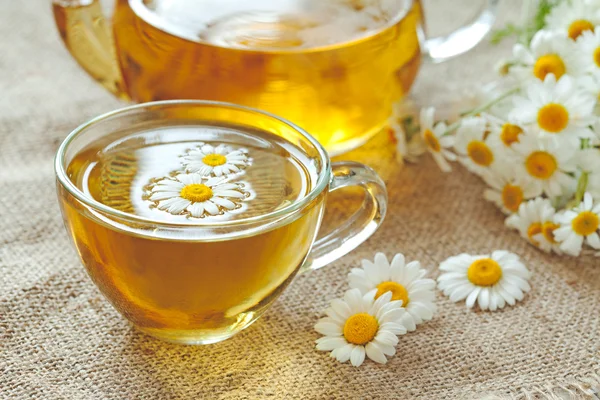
(341, 307)
(228, 204)
(353, 298)
(473, 297)
(328, 343)
(505, 295)
(396, 329)
(386, 337)
(374, 353)
(409, 322)
(499, 298)
(387, 349)
(512, 290)
(357, 356)
(484, 298)
(398, 260)
(342, 354)
(156, 196)
(392, 316)
(228, 193)
(518, 282)
(593, 240)
(461, 292)
(196, 209)
(210, 207)
(326, 327)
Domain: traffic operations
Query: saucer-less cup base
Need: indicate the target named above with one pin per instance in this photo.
(204, 280)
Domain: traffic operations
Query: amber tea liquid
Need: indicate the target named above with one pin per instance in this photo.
(334, 67)
(179, 286)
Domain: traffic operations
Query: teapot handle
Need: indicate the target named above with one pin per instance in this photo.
(85, 30)
(442, 48)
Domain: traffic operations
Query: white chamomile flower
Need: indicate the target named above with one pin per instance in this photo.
(588, 45)
(507, 188)
(573, 18)
(435, 143)
(546, 165)
(503, 134)
(492, 280)
(406, 282)
(471, 143)
(360, 325)
(548, 53)
(216, 161)
(558, 109)
(195, 195)
(535, 222)
(589, 162)
(408, 150)
(579, 225)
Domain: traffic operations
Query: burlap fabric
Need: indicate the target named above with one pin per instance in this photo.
(62, 340)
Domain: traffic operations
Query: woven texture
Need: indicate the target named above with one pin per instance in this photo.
(61, 340)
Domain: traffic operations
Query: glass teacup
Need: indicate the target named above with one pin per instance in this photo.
(192, 217)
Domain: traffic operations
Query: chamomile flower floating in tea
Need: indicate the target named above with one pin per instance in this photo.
(406, 282)
(507, 188)
(573, 18)
(195, 195)
(548, 53)
(535, 222)
(579, 225)
(215, 161)
(435, 141)
(361, 325)
(490, 280)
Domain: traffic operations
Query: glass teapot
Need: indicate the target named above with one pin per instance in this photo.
(334, 67)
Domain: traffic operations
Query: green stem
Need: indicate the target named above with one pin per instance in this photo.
(490, 103)
(581, 187)
(480, 109)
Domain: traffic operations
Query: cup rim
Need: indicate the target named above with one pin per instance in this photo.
(63, 179)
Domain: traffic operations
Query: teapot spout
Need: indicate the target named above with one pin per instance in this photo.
(86, 33)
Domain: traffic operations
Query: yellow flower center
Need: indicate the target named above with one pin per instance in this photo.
(512, 197)
(553, 117)
(214, 160)
(549, 64)
(431, 141)
(360, 328)
(597, 56)
(480, 153)
(585, 223)
(484, 272)
(196, 193)
(541, 165)
(398, 291)
(510, 134)
(548, 229)
(533, 230)
(578, 27)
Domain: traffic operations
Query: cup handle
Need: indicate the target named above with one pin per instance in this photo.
(442, 48)
(361, 225)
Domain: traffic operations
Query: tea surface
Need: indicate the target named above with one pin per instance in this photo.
(267, 174)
